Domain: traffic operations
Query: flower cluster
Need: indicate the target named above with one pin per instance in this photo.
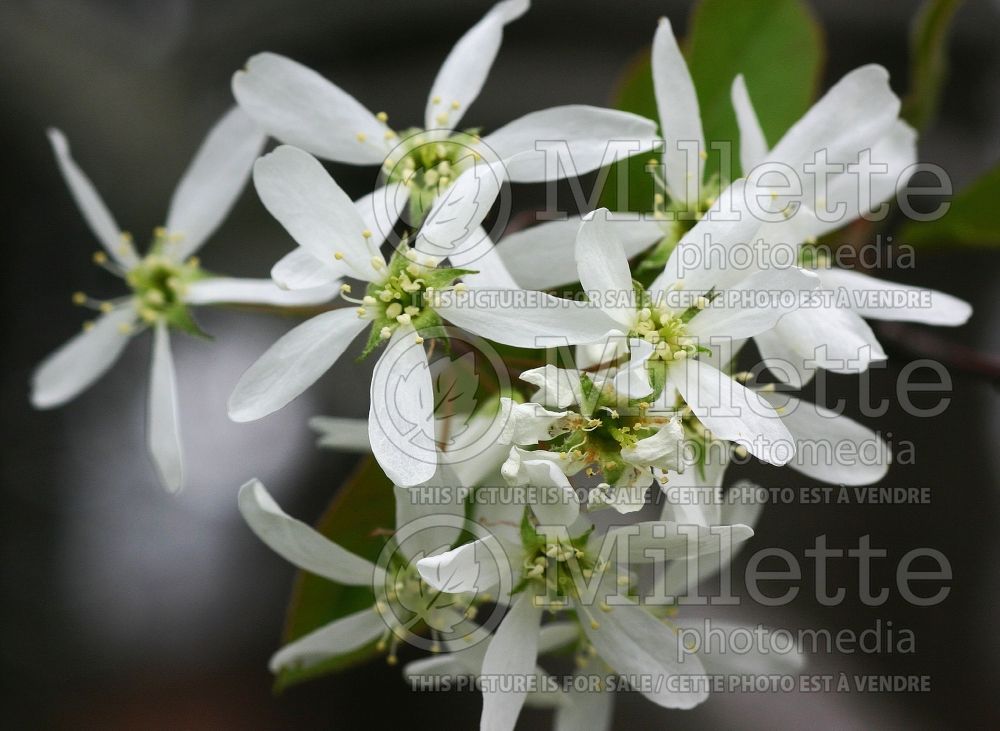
(524, 507)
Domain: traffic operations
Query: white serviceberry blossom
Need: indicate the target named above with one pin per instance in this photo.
(164, 283)
(856, 121)
(298, 106)
(601, 428)
(403, 302)
(407, 597)
(589, 573)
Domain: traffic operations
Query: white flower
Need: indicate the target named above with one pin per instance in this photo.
(629, 638)
(858, 116)
(300, 107)
(164, 283)
(300, 544)
(403, 301)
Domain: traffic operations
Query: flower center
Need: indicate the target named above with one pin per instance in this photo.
(427, 162)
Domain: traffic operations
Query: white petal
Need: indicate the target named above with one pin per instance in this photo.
(588, 138)
(380, 209)
(553, 499)
(511, 655)
(523, 318)
(299, 107)
(719, 320)
(214, 180)
(350, 435)
(732, 411)
(299, 269)
(442, 495)
(80, 362)
(454, 218)
(636, 644)
(585, 710)
(753, 145)
(655, 541)
(852, 116)
(680, 118)
(632, 382)
(337, 638)
(478, 252)
(542, 256)
(256, 291)
(88, 200)
(662, 449)
(163, 436)
(908, 304)
(472, 567)
(603, 268)
(464, 71)
(831, 447)
(556, 386)
(831, 338)
(694, 497)
(761, 658)
(293, 364)
(401, 416)
(694, 261)
(297, 190)
(300, 544)
(528, 423)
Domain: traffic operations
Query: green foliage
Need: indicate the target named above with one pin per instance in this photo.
(928, 60)
(362, 506)
(971, 221)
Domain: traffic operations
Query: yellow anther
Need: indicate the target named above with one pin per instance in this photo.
(703, 155)
(441, 119)
(361, 136)
(159, 232)
(99, 257)
(456, 104)
(389, 134)
(79, 298)
(338, 255)
(106, 307)
(194, 261)
(403, 319)
(368, 300)
(124, 328)
(418, 340)
(366, 233)
(88, 326)
(361, 311)
(436, 100)
(385, 333)
(382, 117)
(345, 289)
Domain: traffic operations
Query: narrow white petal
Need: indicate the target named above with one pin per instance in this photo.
(299, 107)
(454, 218)
(718, 320)
(472, 567)
(662, 449)
(830, 447)
(299, 543)
(297, 190)
(80, 362)
(654, 541)
(732, 411)
(636, 644)
(337, 638)
(401, 416)
(523, 318)
(465, 70)
(585, 710)
(542, 256)
(299, 269)
(293, 364)
(439, 497)
(764, 657)
(554, 501)
(603, 268)
(478, 252)
(564, 142)
(528, 423)
(256, 291)
(214, 180)
(350, 435)
(901, 301)
(680, 118)
(852, 116)
(831, 338)
(556, 386)
(380, 209)
(88, 200)
(753, 145)
(512, 654)
(163, 437)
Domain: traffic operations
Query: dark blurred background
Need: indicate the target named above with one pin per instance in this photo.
(124, 607)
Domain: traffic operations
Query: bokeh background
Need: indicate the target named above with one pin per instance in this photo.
(124, 607)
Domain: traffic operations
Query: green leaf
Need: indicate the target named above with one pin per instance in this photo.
(928, 60)
(970, 221)
(778, 47)
(363, 505)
